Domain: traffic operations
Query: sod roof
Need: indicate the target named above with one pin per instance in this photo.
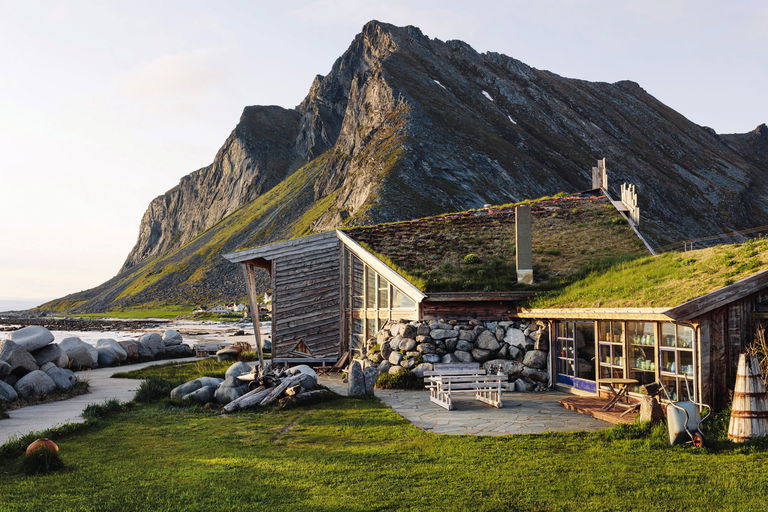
(666, 280)
(474, 251)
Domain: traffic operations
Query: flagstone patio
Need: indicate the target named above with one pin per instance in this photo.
(523, 413)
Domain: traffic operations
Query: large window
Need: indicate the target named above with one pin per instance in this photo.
(373, 301)
(676, 367)
(610, 336)
(575, 346)
(642, 350)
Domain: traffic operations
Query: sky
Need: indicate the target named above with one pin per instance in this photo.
(106, 104)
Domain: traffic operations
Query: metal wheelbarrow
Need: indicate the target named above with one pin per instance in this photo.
(684, 420)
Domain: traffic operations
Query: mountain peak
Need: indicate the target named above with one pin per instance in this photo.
(761, 130)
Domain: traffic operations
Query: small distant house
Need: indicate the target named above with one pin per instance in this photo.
(236, 308)
(220, 309)
(676, 317)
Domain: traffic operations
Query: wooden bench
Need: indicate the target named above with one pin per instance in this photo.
(448, 379)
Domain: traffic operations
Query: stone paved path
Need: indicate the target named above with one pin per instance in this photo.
(102, 387)
(523, 413)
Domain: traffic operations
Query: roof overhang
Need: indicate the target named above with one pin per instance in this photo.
(274, 250)
(648, 314)
(382, 268)
(480, 296)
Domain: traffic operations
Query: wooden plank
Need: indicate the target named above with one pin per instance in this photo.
(276, 248)
(479, 296)
(648, 314)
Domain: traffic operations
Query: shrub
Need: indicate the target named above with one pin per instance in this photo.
(108, 408)
(471, 259)
(403, 379)
(40, 462)
(248, 355)
(153, 389)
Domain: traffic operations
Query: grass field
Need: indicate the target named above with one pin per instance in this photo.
(359, 455)
(179, 372)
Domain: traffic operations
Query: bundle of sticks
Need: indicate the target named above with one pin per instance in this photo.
(271, 385)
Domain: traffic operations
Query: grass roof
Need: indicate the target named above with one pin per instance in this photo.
(666, 280)
(474, 251)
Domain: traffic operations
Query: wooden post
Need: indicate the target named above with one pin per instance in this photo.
(250, 280)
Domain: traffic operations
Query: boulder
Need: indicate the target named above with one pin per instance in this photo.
(386, 350)
(408, 363)
(144, 351)
(355, 380)
(203, 395)
(536, 359)
(131, 348)
(514, 352)
(422, 329)
(451, 344)
(407, 344)
(419, 369)
(194, 385)
(412, 354)
(371, 374)
(512, 368)
(522, 385)
(481, 354)
(487, 341)
(238, 369)
(463, 356)
(500, 333)
(122, 355)
(384, 367)
(515, 337)
(395, 358)
(179, 351)
(304, 369)
(408, 331)
(394, 370)
(650, 409)
(20, 361)
(441, 334)
(107, 356)
(449, 358)
(467, 335)
(50, 354)
(435, 324)
(7, 393)
(47, 366)
(154, 342)
(62, 377)
(5, 369)
(172, 337)
(394, 329)
(464, 345)
(229, 390)
(32, 337)
(227, 354)
(394, 343)
(431, 358)
(491, 326)
(537, 375)
(34, 383)
(426, 348)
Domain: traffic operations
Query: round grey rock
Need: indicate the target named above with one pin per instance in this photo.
(464, 345)
(7, 393)
(487, 341)
(32, 337)
(203, 395)
(431, 358)
(172, 337)
(49, 354)
(17, 357)
(63, 378)
(34, 383)
(237, 369)
(229, 390)
(395, 358)
(407, 344)
(122, 355)
(536, 359)
(5, 369)
(81, 355)
(464, 357)
(154, 342)
(481, 354)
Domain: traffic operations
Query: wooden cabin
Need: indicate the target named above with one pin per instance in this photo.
(686, 328)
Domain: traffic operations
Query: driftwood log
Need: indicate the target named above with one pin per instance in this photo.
(275, 392)
(250, 399)
(305, 397)
(293, 390)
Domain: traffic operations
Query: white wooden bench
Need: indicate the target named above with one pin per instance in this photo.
(448, 379)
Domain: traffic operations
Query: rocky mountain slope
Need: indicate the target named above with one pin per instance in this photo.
(405, 126)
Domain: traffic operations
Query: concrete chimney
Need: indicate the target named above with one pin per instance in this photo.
(523, 244)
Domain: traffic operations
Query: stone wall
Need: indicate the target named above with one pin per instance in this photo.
(518, 347)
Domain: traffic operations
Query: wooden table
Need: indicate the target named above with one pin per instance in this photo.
(619, 388)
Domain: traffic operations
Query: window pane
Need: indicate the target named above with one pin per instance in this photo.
(667, 334)
(641, 333)
(357, 283)
(617, 329)
(370, 326)
(668, 361)
(604, 331)
(383, 293)
(685, 359)
(585, 350)
(370, 288)
(684, 336)
(400, 300)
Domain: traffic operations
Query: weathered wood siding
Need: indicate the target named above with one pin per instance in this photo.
(724, 334)
(469, 310)
(306, 299)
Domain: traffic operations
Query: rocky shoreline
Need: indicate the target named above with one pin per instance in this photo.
(13, 323)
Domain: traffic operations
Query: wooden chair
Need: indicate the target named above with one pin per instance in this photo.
(338, 367)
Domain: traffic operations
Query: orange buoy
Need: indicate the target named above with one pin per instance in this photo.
(42, 445)
(749, 412)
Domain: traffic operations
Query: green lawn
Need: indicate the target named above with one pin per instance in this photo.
(180, 372)
(359, 455)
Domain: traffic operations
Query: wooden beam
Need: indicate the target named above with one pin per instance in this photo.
(649, 314)
(250, 279)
